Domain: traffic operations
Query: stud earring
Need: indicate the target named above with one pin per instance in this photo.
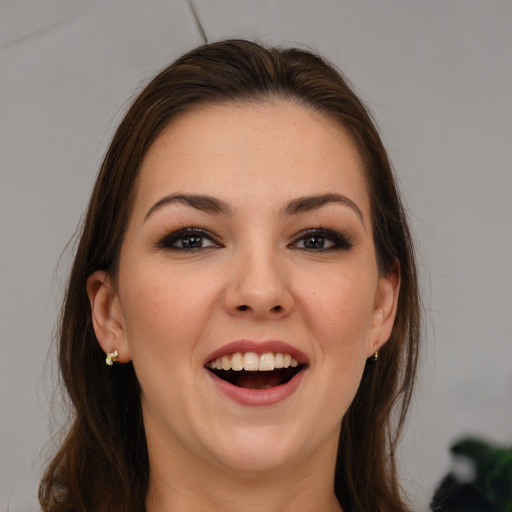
(376, 355)
(111, 358)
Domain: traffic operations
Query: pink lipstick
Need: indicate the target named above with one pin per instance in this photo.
(256, 373)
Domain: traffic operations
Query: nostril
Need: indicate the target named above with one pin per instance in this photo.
(244, 307)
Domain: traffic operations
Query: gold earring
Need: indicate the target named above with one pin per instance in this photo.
(111, 358)
(376, 355)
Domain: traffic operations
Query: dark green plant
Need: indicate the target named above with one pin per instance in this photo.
(491, 488)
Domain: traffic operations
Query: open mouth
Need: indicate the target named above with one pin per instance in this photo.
(256, 371)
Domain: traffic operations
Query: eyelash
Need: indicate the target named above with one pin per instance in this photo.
(339, 241)
(168, 241)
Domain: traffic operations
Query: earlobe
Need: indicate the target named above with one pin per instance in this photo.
(385, 308)
(106, 315)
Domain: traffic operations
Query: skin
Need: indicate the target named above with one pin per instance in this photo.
(256, 278)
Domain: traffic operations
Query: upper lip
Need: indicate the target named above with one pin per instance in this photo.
(259, 347)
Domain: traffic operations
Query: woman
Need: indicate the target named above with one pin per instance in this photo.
(246, 272)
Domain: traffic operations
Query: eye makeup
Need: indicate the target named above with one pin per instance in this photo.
(188, 239)
(319, 240)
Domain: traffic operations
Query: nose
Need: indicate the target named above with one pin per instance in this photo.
(258, 287)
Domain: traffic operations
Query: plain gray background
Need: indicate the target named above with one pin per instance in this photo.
(436, 74)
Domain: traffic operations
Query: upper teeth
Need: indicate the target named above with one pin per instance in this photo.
(252, 362)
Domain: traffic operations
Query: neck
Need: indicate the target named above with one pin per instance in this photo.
(182, 484)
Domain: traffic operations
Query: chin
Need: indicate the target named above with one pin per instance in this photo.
(253, 462)
(259, 450)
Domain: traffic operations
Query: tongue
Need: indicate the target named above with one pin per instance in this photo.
(258, 380)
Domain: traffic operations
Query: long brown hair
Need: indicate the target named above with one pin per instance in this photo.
(102, 464)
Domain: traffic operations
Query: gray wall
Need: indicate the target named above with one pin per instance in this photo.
(437, 75)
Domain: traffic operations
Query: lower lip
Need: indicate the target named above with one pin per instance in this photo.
(260, 397)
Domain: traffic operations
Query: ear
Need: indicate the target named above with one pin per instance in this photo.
(385, 307)
(107, 318)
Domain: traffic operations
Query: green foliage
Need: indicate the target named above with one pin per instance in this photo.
(491, 488)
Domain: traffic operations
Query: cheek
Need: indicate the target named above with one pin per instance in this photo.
(343, 330)
(165, 316)
(340, 318)
(164, 313)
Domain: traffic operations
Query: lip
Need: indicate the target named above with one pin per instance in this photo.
(259, 347)
(257, 397)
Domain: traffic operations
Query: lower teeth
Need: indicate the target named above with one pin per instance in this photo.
(257, 380)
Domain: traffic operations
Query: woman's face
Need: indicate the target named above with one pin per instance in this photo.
(249, 246)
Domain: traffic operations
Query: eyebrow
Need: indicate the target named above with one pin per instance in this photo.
(209, 204)
(203, 203)
(310, 203)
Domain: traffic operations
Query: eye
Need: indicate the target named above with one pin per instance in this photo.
(320, 240)
(188, 239)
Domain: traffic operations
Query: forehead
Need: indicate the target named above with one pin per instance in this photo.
(238, 151)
